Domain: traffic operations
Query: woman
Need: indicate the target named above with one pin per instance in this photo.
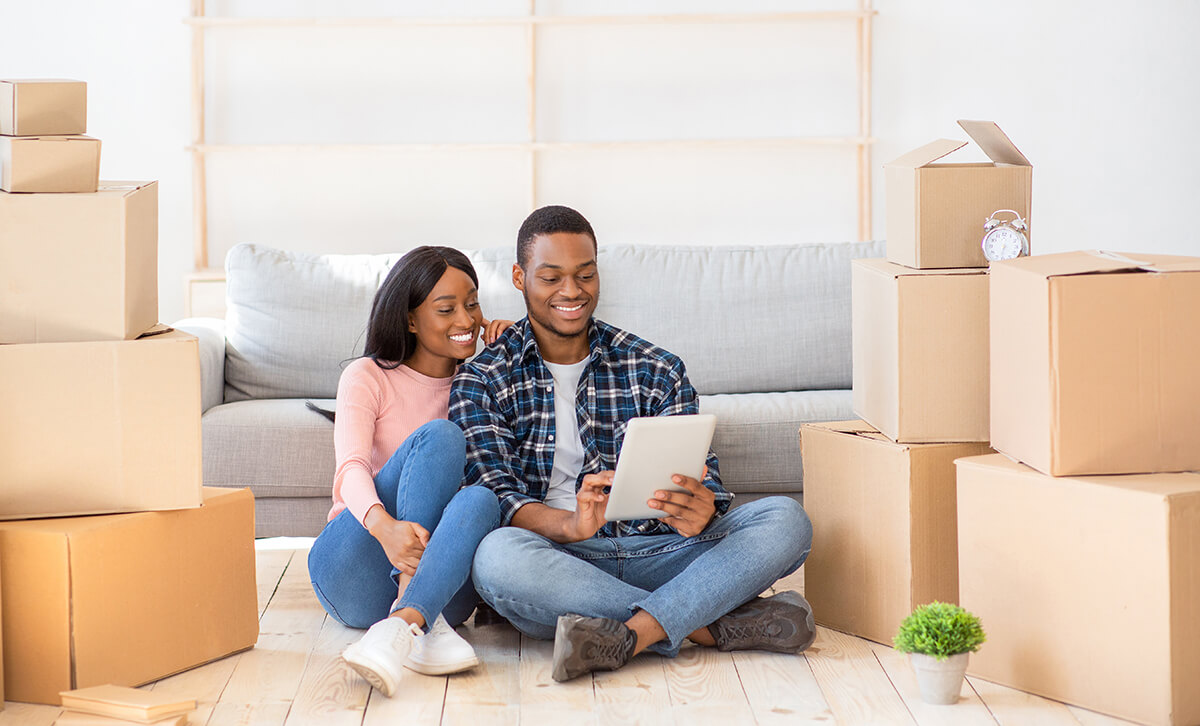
(396, 552)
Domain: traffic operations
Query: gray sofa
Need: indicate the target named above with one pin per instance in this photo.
(764, 332)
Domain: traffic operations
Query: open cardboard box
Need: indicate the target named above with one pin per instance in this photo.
(42, 106)
(1094, 360)
(885, 519)
(126, 598)
(79, 267)
(936, 211)
(1087, 586)
(920, 353)
(49, 164)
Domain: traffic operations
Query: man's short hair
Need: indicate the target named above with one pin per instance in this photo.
(549, 220)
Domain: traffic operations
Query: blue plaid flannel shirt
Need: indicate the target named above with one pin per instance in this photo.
(503, 400)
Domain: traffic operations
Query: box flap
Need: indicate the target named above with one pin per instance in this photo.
(122, 186)
(994, 142)
(1164, 485)
(1086, 262)
(891, 269)
(927, 154)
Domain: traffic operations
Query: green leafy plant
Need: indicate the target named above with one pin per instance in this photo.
(941, 630)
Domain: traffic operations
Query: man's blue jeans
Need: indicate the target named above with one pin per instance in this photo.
(686, 583)
(351, 574)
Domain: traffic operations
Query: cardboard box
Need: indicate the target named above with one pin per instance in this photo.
(935, 212)
(42, 106)
(885, 522)
(1094, 362)
(920, 355)
(1087, 586)
(100, 427)
(79, 267)
(49, 163)
(126, 599)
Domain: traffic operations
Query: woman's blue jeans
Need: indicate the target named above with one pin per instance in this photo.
(351, 574)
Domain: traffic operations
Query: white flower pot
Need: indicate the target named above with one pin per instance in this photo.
(940, 681)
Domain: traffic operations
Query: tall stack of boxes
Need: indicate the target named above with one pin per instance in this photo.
(881, 491)
(102, 417)
(1083, 559)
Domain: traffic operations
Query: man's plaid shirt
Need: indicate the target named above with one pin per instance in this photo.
(503, 400)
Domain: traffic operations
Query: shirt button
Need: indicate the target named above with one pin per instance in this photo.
(551, 437)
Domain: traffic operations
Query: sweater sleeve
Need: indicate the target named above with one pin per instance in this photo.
(359, 401)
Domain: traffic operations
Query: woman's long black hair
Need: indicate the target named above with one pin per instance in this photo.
(411, 279)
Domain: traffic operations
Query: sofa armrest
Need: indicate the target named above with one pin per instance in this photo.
(211, 333)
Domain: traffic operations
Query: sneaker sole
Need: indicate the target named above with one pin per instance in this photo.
(441, 669)
(369, 671)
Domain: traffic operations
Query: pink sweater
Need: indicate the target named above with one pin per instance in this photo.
(376, 412)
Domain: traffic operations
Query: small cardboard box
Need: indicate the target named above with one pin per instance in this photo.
(884, 517)
(1087, 587)
(936, 212)
(49, 163)
(1094, 362)
(42, 106)
(100, 427)
(128, 598)
(79, 267)
(920, 355)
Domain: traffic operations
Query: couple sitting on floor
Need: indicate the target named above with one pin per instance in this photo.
(535, 422)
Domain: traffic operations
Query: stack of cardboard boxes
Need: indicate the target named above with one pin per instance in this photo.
(101, 417)
(1079, 544)
(1083, 560)
(881, 492)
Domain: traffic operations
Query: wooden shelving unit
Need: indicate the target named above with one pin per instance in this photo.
(200, 148)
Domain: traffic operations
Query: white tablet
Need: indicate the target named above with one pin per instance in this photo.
(655, 449)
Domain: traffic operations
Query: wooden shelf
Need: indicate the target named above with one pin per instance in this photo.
(524, 20)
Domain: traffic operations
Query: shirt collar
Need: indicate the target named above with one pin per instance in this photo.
(597, 343)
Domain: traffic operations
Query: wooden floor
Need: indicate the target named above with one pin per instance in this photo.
(294, 677)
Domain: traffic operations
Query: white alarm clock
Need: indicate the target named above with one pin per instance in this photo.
(1004, 239)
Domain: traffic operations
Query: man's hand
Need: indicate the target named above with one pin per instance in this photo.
(403, 542)
(590, 504)
(493, 329)
(688, 513)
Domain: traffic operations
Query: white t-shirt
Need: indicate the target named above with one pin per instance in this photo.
(568, 447)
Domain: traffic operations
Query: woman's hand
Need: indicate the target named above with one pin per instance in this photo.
(403, 542)
(493, 329)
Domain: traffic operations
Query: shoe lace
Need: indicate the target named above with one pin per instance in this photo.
(607, 651)
(440, 626)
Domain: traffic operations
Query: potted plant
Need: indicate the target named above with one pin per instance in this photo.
(938, 638)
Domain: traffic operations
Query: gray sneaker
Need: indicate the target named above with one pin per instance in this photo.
(782, 623)
(583, 645)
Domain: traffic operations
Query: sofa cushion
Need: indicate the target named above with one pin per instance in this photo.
(743, 319)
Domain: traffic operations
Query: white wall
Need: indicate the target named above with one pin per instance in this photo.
(1103, 98)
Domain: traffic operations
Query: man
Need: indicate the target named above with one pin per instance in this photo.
(544, 413)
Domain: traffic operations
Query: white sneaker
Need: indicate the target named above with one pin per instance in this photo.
(441, 651)
(380, 654)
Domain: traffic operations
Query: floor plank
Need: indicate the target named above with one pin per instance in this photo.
(545, 701)
(1017, 708)
(330, 693)
(781, 689)
(28, 714)
(269, 568)
(1092, 718)
(969, 711)
(205, 684)
(704, 688)
(636, 694)
(854, 683)
(489, 693)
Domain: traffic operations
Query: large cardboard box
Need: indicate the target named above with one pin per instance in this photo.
(920, 353)
(49, 163)
(79, 267)
(885, 524)
(42, 106)
(936, 212)
(128, 598)
(92, 428)
(1094, 362)
(1088, 587)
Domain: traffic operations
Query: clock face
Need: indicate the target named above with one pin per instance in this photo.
(1003, 243)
